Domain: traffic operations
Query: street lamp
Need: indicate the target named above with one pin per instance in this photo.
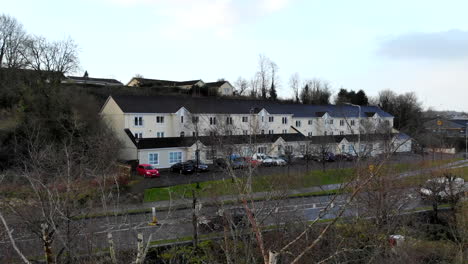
(359, 128)
(466, 140)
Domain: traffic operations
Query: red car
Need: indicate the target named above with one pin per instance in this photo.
(252, 162)
(147, 170)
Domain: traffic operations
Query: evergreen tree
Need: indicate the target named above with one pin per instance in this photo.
(273, 94)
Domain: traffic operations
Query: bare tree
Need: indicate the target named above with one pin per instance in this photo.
(274, 80)
(263, 74)
(294, 83)
(12, 40)
(55, 56)
(241, 85)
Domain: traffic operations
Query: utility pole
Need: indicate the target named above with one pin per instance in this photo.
(466, 140)
(359, 129)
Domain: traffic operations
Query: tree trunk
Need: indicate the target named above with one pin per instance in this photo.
(47, 244)
(194, 220)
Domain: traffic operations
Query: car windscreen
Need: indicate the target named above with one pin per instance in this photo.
(149, 168)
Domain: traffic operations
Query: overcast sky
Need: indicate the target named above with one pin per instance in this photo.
(419, 46)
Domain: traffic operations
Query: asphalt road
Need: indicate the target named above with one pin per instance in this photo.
(92, 236)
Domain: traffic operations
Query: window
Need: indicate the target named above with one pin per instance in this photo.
(263, 119)
(284, 120)
(262, 150)
(288, 149)
(341, 122)
(182, 134)
(175, 157)
(285, 131)
(245, 132)
(212, 120)
(302, 148)
(153, 158)
(159, 134)
(245, 119)
(271, 119)
(325, 133)
(298, 123)
(211, 154)
(263, 131)
(343, 148)
(341, 133)
(138, 121)
(309, 134)
(182, 119)
(229, 132)
(229, 120)
(212, 133)
(271, 131)
(194, 119)
(331, 133)
(194, 134)
(352, 122)
(310, 122)
(350, 149)
(138, 135)
(160, 119)
(330, 121)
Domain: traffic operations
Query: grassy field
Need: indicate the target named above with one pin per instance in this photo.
(277, 182)
(268, 183)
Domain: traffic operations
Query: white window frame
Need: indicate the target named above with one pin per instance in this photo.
(149, 158)
(271, 119)
(284, 120)
(159, 119)
(171, 161)
(310, 122)
(285, 131)
(245, 119)
(139, 135)
(160, 134)
(298, 123)
(342, 122)
(271, 131)
(138, 120)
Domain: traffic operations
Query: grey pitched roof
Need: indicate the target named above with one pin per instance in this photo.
(170, 104)
(183, 142)
(461, 122)
(164, 83)
(97, 80)
(215, 84)
(172, 142)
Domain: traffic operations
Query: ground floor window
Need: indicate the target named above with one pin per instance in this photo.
(289, 149)
(210, 154)
(175, 157)
(153, 158)
(262, 150)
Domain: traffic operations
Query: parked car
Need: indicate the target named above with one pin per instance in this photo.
(328, 156)
(236, 163)
(252, 162)
(344, 157)
(147, 171)
(183, 168)
(273, 161)
(200, 166)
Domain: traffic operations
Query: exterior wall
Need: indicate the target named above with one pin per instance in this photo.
(226, 89)
(115, 119)
(163, 156)
(150, 127)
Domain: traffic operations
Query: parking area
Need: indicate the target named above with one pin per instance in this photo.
(169, 178)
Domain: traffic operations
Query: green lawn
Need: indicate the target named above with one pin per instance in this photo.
(276, 182)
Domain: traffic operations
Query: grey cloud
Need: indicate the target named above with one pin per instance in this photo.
(446, 45)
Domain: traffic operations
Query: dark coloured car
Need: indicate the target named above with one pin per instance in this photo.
(183, 168)
(200, 166)
(236, 163)
(344, 157)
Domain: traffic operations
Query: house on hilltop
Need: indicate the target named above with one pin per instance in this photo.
(222, 87)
